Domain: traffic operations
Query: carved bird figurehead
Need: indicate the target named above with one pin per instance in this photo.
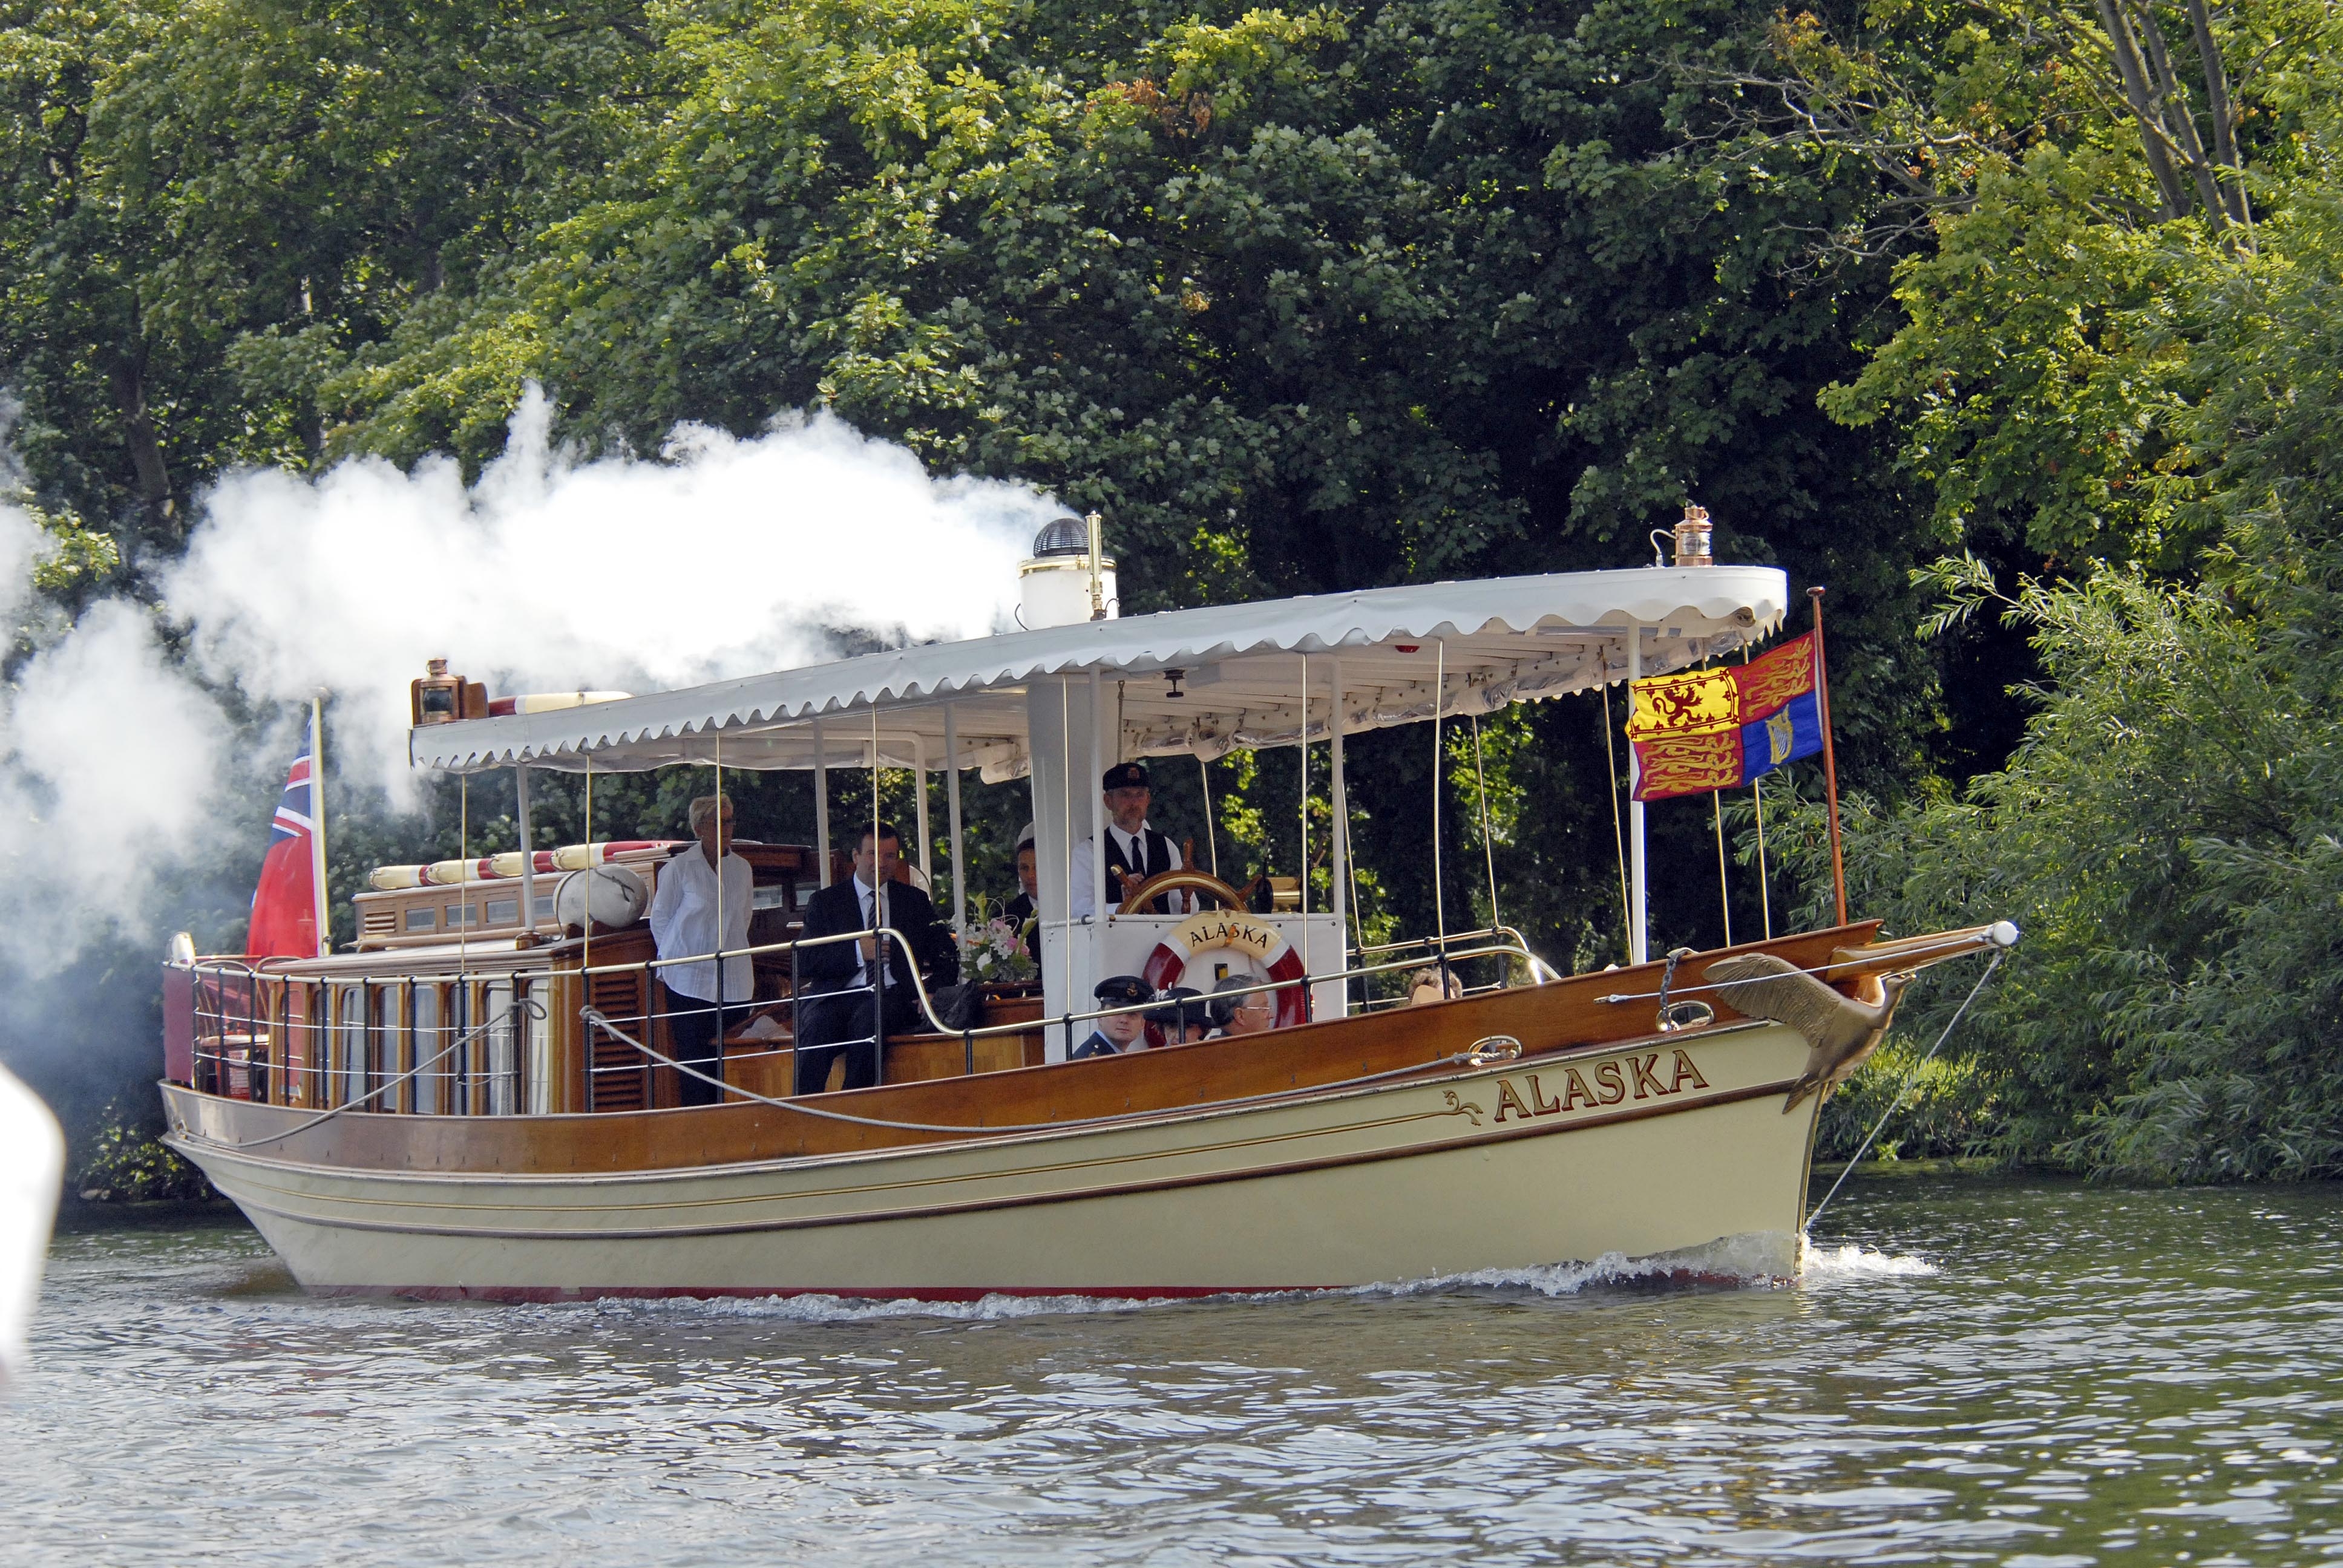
(1841, 1031)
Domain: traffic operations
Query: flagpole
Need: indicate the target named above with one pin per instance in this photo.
(317, 826)
(1639, 890)
(1830, 759)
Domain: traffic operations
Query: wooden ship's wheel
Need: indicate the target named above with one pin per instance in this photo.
(1136, 899)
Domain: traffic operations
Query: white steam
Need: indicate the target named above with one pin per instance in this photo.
(726, 558)
(729, 558)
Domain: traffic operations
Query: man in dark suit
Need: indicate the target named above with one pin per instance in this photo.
(847, 990)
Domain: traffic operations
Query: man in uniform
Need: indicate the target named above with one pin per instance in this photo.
(1134, 849)
(1120, 1031)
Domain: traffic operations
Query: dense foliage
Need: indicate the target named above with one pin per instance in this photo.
(1362, 295)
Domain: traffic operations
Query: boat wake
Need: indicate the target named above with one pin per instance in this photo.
(1853, 1263)
(1759, 1261)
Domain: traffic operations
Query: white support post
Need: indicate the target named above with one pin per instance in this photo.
(1340, 864)
(1638, 896)
(527, 849)
(951, 808)
(920, 785)
(1098, 812)
(820, 808)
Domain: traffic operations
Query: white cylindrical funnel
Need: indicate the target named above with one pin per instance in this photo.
(1055, 590)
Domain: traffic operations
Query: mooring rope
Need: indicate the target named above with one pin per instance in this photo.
(1910, 1080)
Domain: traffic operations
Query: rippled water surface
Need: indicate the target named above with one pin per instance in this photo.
(1974, 1371)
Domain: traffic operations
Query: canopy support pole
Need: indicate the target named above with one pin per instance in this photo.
(820, 808)
(951, 813)
(1723, 887)
(1212, 829)
(527, 849)
(1439, 893)
(1301, 882)
(1338, 877)
(919, 781)
(1097, 814)
(1638, 937)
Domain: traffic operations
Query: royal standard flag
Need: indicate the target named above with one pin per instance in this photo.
(1719, 728)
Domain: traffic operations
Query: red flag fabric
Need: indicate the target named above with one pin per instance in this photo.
(284, 904)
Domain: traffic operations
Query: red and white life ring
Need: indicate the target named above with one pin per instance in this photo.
(1233, 928)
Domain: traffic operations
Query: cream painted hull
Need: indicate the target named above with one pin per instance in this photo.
(1496, 1167)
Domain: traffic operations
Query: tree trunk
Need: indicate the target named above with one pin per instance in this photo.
(145, 447)
(2172, 105)
(2142, 99)
(2223, 113)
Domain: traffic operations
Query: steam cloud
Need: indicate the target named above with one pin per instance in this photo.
(729, 556)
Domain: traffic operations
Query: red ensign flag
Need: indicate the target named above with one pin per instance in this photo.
(285, 905)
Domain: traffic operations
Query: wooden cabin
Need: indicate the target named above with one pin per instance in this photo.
(433, 961)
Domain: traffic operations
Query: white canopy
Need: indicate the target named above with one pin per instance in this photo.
(1239, 676)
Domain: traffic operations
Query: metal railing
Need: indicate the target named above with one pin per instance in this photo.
(457, 1044)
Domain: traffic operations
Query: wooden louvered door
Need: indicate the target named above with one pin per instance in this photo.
(620, 1078)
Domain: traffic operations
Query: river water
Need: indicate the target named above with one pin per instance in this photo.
(1973, 1371)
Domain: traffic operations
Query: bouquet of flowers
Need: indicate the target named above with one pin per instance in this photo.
(994, 950)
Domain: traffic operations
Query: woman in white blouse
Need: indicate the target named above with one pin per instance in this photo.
(689, 918)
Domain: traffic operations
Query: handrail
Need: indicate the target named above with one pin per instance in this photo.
(1517, 948)
(530, 1006)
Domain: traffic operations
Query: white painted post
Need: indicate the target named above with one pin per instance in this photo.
(919, 773)
(527, 849)
(820, 808)
(951, 808)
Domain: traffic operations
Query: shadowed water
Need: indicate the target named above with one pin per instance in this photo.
(1971, 1372)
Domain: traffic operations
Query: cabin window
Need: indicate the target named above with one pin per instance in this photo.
(503, 1065)
(347, 1079)
(539, 1075)
(422, 918)
(425, 1045)
(383, 1062)
(461, 915)
(545, 906)
(776, 897)
(503, 911)
(463, 1062)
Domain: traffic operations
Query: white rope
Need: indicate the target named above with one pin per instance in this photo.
(1910, 1078)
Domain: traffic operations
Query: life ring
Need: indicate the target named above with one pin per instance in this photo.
(1247, 934)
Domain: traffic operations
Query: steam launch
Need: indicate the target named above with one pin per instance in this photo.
(713, 1065)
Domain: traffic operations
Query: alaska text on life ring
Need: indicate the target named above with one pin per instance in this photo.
(1232, 929)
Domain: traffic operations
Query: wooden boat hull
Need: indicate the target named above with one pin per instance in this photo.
(1635, 1148)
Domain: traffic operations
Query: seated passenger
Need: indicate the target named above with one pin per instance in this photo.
(1426, 986)
(1119, 1031)
(1020, 911)
(1185, 1015)
(1254, 1012)
(843, 983)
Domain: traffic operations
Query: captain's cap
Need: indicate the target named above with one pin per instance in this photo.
(1124, 775)
(1124, 990)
